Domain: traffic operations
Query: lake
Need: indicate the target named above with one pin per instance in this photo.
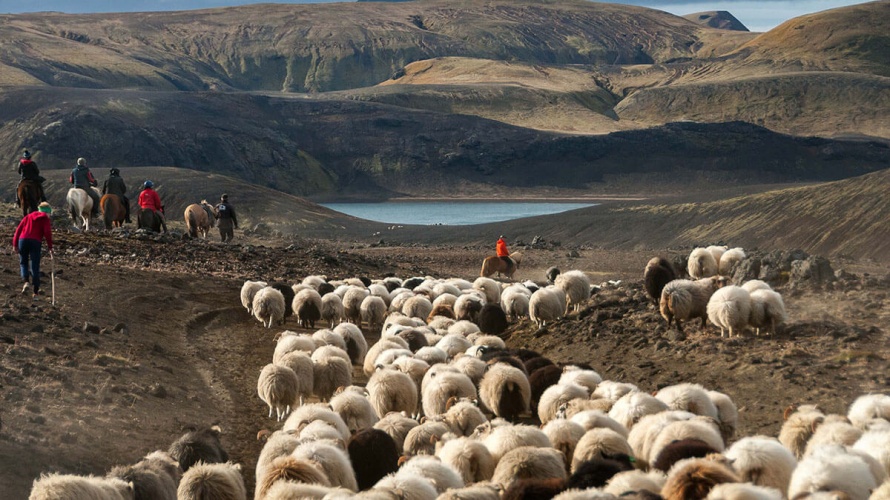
(451, 213)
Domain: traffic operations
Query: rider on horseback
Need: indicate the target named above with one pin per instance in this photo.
(115, 185)
(149, 200)
(82, 178)
(29, 172)
(502, 251)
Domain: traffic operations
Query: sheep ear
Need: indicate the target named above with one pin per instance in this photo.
(423, 419)
(217, 429)
(402, 460)
(263, 435)
(788, 411)
(451, 402)
(817, 422)
(434, 439)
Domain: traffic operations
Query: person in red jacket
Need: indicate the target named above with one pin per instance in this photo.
(28, 240)
(503, 253)
(149, 200)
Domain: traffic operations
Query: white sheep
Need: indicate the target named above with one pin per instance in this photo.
(331, 370)
(701, 264)
(431, 354)
(763, 461)
(332, 310)
(717, 251)
(633, 406)
(688, 397)
(730, 309)
(414, 368)
(318, 430)
(491, 341)
(598, 443)
(546, 306)
(352, 303)
(634, 481)
(289, 341)
(441, 475)
(576, 286)
(593, 419)
(399, 297)
(203, 481)
(417, 306)
(441, 323)
(403, 488)
(529, 462)
(326, 337)
(378, 290)
(767, 311)
(248, 291)
(268, 306)
(370, 364)
(644, 433)
(612, 390)
(505, 391)
(288, 490)
(743, 491)
(308, 413)
(356, 345)
(483, 490)
(585, 378)
(354, 408)
(373, 312)
(332, 460)
(307, 306)
(463, 327)
(467, 307)
(557, 395)
(564, 436)
(588, 494)
(462, 417)
(439, 390)
(700, 428)
(799, 427)
(875, 443)
(278, 387)
(868, 407)
(454, 344)
(490, 288)
(391, 390)
(66, 486)
(832, 468)
(470, 366)
(421, 440)
(501, 437)
(279, 444)
(754, 285)
(835, 429)
(683, 300)
(730, 259)
(514, 301)
(575, 406)
(396, 425)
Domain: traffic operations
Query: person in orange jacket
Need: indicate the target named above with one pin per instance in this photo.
(503, 253)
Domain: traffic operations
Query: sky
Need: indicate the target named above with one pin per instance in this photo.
(757, 15)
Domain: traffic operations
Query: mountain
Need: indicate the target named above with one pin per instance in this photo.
(719, 19)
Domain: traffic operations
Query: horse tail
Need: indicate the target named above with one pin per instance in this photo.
(191, 223)
(106, 210)
(485, 267)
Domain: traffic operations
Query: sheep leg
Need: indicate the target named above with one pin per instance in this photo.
(270, 411)
(721, 332)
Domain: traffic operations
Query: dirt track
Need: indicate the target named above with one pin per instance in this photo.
(148, 337)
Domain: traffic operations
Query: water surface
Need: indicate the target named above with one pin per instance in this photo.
(451, 213)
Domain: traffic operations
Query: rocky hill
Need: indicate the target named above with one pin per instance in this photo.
(717, 19)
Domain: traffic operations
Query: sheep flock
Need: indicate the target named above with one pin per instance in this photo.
(450, 412)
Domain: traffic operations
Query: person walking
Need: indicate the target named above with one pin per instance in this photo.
(228, 221)
(82, 178)
(29, 172)
(28, 240)
(150, 200)
(114, 184)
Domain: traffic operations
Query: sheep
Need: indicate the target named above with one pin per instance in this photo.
(441, 475)
(389, 356)
(470, 458)
(699, 429)
(268, 306)
(514, 301)
(585, 378)
(529, 462)
(545, 305)
(836, 429)
(373, 454)
(379, 290)
(695, 477)
(454, 344)
(595, 473)
(644, 433)
(290, 469)
(432, 355)
(480, 491)
(306, 414)
(730, 309)
(421, 440)
(832, 468)
(492, 319)
(154, 477)
(767, 311)
(754, 285)
(396, 425)
(592, 419)
(279, 444)
(564, 436)
(664, 457)
(576, 286)
(392, 390)
(320, 430)
(66, 486)
(730, 258)
(763, 461)
(325, 338)
(373, 312)
(740, 491)
(571, 409)
(505, 391)
(683, 300)
(417, 306)
(404, 487)
(332, 310)
(446, 288)
(882, 492)
(415, 368)
(599, 443)
(248, 291)
(332, 460)
(717, 251)
(356, 345)
(467, 307)
(501, 437)
(462, 416)
(633, 406)
(301, 364)
(287, 490)
(439, 390)
(490, 288)
(352, 302)
(688, 397)
(613, 391)
(331, 369)
(534, 363)
(555, 396)
(442, 309)
(727, 414)
(354, 408)
(799, 427)
(289, 341)
(399, 297)
(221, 481)
(875, 443)
(635, 481)
(540, 380)
(307, 306)
(370, 363)
(551, 274)
(440, 323)
(658, 273)
(200, 445)
(463, 327)
(868, 407)
(702, 264)
(278, 387)
(490, 341)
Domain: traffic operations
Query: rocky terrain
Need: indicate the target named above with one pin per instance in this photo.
(148, 337)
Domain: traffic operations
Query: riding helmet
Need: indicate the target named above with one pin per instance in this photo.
(81, 161)
(115, 171)
(224, 197)
(148, 184)
(26, 154)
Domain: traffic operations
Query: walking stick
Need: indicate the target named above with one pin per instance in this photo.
(52, 261)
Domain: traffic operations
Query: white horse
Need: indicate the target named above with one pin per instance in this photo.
(80, 205)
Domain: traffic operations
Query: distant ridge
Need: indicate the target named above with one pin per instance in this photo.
(719, 19)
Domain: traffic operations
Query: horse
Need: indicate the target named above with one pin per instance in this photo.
(149, 219)
(496, 264)
(80, 205)
(29, 195)
(113, 210)
(200, 218)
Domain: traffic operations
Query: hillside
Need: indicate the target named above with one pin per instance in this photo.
(720, 19)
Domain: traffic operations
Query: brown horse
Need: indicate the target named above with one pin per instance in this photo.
(496, 264)
(200, 218)
(29, 195)
(149, 219)
(113, 211)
